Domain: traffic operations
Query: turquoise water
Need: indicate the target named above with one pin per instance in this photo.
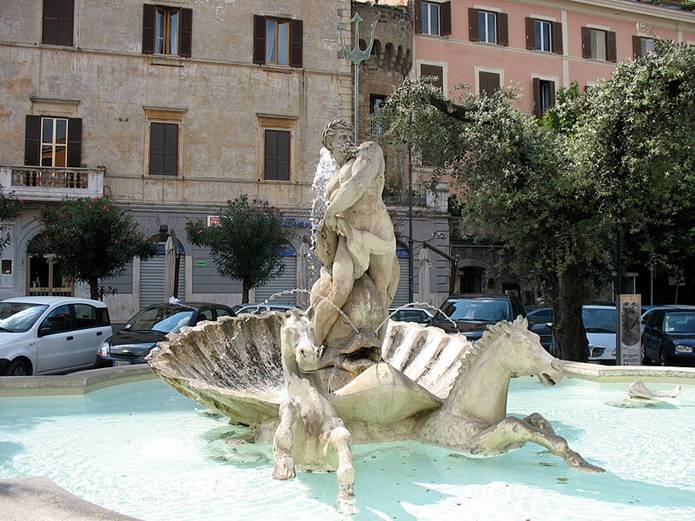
(144, 450)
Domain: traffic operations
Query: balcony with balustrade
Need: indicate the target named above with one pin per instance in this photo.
(41, 183)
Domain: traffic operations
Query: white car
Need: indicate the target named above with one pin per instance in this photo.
(43, 335)
(599, 322)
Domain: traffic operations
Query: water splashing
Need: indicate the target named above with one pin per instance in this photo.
(325, 169)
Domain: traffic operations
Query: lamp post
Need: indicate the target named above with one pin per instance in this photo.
(356, 56)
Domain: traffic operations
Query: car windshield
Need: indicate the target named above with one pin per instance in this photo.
(599, 320)
(679, 323)
(478, 309)
(164, 319)
(17, 317)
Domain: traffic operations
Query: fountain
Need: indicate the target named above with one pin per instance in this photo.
(313, 382)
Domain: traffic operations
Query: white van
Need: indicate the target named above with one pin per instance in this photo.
(43, 335)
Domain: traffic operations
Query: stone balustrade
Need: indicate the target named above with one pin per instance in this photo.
(40, 183)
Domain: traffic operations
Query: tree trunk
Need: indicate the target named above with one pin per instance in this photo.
(94, 289)
(570, 335)
(245, 288)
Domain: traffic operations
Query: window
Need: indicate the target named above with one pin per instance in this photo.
(543, 36)
(57, 321)
(57, 27)
(598, 44)
(54, 141)
(376, 103)
(429, 18)
(488, 26)
(87, 316)
(488, 83)
(543, 96)
(164, 148)
(642, 46)
(222, 312)
(278, 41)
(277, 154)
(167, 30)
(433, 71)
(205, 314)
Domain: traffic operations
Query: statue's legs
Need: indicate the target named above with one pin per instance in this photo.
(381, 272)
(339, 438)
(512, 433)
(283, 441)
(327, 309)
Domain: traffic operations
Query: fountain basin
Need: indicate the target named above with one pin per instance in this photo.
(143, 450)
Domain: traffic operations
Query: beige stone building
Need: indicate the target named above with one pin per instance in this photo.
(171, 108)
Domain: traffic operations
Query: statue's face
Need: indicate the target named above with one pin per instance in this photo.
(342, 145)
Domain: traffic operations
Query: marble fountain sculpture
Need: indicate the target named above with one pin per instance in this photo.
(313, 382)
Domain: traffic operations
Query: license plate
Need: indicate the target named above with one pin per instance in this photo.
(118, 363)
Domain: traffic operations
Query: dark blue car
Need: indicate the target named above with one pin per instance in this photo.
(669, 337)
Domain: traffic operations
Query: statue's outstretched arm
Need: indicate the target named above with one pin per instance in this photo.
(365, 168)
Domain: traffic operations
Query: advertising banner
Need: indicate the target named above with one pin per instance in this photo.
(629, 335)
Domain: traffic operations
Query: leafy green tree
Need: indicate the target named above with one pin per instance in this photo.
(9, 208)
(92, 239)
(613, 165)
(247, 243)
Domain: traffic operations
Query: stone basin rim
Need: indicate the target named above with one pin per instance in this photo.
(85, 382)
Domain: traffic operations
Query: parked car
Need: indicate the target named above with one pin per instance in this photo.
(474, 312)
(140, 335)
(257, 309)
(669, 337)
(417, 315)
(43, 335)
(600, 326)
(648, 310)
(540, 321)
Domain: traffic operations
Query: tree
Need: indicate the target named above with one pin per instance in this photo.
(559, 192)
(92, 239)
(247, 243)
(9, 208)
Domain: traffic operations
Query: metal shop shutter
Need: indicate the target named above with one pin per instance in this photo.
(286, 281)
(152, 280)
(401, 297)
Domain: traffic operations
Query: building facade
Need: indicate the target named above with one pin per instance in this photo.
(538, 47)
(171, 108)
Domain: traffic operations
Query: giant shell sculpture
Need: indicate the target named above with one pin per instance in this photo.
(233, 365)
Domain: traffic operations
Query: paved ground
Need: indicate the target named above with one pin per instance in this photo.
(39, 499)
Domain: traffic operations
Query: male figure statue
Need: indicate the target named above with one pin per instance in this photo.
(356, 237)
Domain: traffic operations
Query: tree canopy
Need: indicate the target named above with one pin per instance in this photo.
(92, 239)
(9, 208)
(559, 192)
(247, 243)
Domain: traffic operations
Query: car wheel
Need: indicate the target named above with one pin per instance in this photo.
(19, 368)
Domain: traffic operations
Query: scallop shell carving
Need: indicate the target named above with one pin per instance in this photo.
(234, 365)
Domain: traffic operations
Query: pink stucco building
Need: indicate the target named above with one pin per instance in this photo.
(540, 46)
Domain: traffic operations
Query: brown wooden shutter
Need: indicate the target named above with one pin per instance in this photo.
(557, 38)
(611, 54)
(417, 6)
(277, 155)
(552, 93)
(435, 71)
(502, 29)
(586, 42)
(258, 39)
(296, 43)
(65, 27)
(148, 29)
(537, 108)
(32, 140)
(164, 145)
(171, 149)
(530, 34)
(473, 25)
(156, 148)
(57, 22)
(445, 13)
(636, 47)
(186, 32)
(75, 142)
(488, 83)
(283, 155)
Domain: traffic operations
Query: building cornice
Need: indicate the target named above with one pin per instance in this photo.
(629, 6)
